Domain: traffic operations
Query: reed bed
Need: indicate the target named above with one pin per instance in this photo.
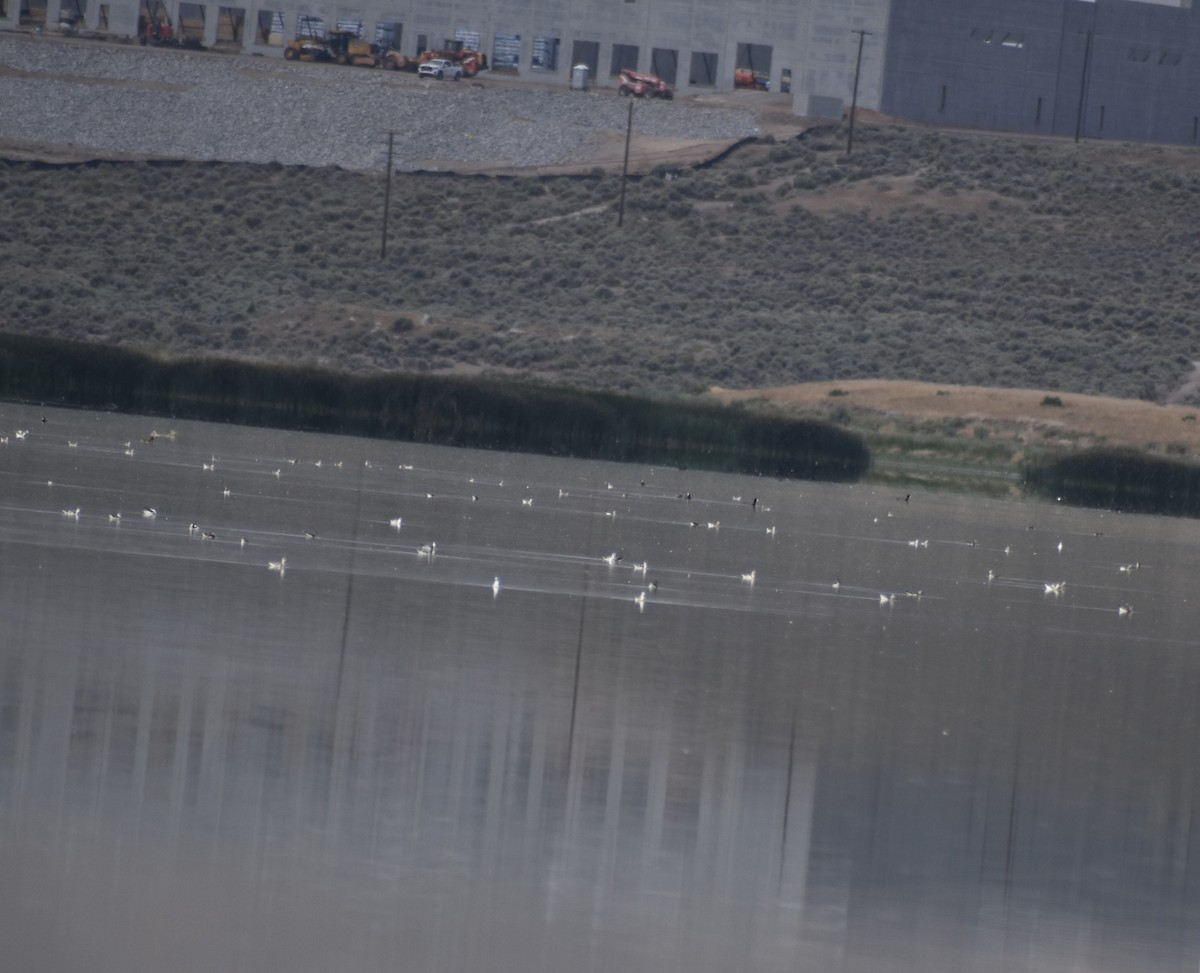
(1119, 479)
(482, 413)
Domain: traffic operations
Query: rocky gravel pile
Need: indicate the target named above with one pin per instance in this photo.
(198, 105)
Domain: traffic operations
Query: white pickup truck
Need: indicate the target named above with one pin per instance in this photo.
(440, 68)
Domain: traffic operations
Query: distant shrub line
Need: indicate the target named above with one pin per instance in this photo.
(1120, 479)
(480, 412)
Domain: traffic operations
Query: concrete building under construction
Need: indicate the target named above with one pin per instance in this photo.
(1125, 69)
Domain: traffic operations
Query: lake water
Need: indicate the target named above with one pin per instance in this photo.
(375, 760)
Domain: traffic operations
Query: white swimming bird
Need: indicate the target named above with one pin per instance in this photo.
(73, 514)
(887, 599)
(611, 559)
(114, 518)
(640, 600)
(1125, 610)
(749, 578)
(495, 586)
(396, 522)
(1055, 587)
(149, 513)
(427, 550)
(280, 565)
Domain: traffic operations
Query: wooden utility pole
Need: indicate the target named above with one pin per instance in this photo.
(625, 168)
(1087, 53)
(387, 196)
(854, 97)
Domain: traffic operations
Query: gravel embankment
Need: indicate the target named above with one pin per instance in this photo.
(240, 109)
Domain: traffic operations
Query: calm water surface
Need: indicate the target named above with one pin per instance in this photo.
(374, 760)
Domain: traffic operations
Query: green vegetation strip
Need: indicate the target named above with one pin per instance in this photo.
(479, 413)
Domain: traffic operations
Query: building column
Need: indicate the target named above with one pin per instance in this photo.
(212, 18)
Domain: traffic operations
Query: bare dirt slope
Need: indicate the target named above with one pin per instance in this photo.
(1098, 419)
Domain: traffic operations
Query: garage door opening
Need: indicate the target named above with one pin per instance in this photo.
(665, 64)
(703, 72)
(753, 68)
(587, 52)
(231, 26)
(624, 58)
(545, 53)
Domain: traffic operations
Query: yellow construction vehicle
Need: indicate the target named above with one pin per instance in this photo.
(348, 48)
(342, 46)
(308, 49)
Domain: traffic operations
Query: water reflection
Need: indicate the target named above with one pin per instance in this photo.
(371, 760)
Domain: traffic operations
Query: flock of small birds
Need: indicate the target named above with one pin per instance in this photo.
(428, 550)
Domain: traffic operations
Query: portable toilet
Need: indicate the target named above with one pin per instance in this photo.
(579, 77)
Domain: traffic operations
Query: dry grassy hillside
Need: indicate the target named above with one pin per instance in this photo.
(946, 257)
(1023, 418)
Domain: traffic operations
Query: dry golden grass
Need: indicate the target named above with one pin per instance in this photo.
(1081, 419)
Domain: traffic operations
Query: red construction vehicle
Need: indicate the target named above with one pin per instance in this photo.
(639, 84)
(471, 61)
(746, 78)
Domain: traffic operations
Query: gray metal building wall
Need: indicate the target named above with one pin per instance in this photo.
(1113, 68)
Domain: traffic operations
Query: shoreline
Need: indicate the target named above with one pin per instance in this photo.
(975, 438)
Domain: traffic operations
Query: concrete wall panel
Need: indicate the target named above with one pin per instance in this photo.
(812, 39)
